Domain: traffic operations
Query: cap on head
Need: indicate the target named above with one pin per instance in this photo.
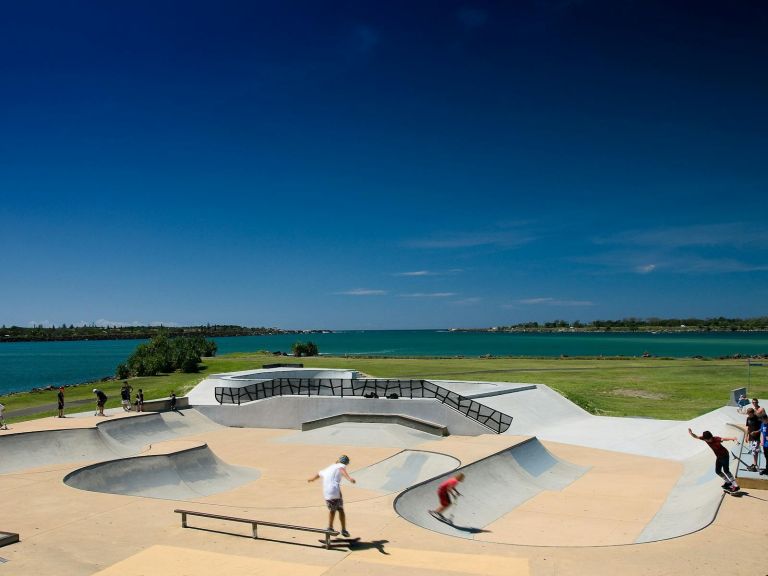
(95, 390)
(344, 459)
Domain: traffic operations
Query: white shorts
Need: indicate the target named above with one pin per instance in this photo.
(754, 446)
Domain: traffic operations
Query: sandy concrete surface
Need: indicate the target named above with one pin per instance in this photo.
(66, 531)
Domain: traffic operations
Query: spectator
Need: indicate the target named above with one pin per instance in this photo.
(140, 400)
(753, 437)
(60, 401)
(173, 401)
(3, 425)
(125, 396)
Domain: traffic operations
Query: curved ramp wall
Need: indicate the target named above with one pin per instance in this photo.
(403, 470)
(493, 487)
(115, 438)
(184, 475)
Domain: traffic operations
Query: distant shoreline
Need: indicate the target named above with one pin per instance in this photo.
(273, 332)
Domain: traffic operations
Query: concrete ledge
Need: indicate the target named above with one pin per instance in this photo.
(401, 419)
(164, 404)
(8, 538)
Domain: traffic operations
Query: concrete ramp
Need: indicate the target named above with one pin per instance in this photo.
(114, 438)
(361, 434)
(185, 475)
(691, 505)
(493, 487)
(51, 447)
(403, 470)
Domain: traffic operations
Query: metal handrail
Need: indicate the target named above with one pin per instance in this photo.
(494, 420)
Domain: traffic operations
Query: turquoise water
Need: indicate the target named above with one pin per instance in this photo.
(25, 365)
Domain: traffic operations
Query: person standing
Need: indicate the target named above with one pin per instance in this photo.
(60, 401)
(173, 401)
(722, 467)
(140, 400)
(759, 410)
(753, 437)
(332, 476)
(3, 425)
(764, 442)
(125, 396)
(101, 400)
(444, 493)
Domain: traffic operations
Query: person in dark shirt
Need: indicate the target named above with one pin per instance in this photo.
(173, 401)
(101, 400)
(140, 400)
(722, 467)
(60, 400)
(753, 437)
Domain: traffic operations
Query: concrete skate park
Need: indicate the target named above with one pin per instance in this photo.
(549, 489)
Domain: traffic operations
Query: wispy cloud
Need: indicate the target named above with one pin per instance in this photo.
(548, 301)
(645, 268)
(670, 262)
(416, 273)
(501, 239)
(429, 295)
(362, 292)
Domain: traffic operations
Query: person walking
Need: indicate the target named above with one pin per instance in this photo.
(445, 491)
(60, 401)
(722, 467)
(332, 476)
(101, 400)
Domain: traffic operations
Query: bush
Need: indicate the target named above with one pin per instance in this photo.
(164, 355)
(304, 349)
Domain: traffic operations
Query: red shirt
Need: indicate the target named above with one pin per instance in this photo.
(716, 443)
(447, 485)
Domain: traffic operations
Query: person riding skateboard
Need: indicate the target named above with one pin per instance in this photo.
(444, 493)
(332, 476)
(722, 467)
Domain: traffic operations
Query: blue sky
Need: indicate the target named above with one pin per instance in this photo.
(382, 164)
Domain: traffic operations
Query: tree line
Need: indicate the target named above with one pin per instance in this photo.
(719, 324)
(93, 332)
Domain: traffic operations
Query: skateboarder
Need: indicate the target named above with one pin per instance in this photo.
(332, 491)
(722, 468)
(444, 493)
(60, 401)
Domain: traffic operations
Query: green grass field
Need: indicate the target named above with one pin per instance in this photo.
(677, 389)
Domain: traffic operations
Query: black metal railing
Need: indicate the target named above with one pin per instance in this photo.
(494, 420)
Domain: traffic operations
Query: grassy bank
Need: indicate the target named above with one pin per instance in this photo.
(677, 389)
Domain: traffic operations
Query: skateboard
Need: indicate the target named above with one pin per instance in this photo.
(736, 492)
(441, 518)
(351, 542)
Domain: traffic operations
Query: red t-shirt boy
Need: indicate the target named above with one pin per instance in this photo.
(444, 493)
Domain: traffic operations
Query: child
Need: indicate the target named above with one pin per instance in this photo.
(173, 401)
(444, 493)
(140, 400)
(3, 425)
(332, 491)
(125, 396)
(722, 468)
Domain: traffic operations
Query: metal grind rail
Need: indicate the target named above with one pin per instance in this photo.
(494, 420)
(255, 523)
